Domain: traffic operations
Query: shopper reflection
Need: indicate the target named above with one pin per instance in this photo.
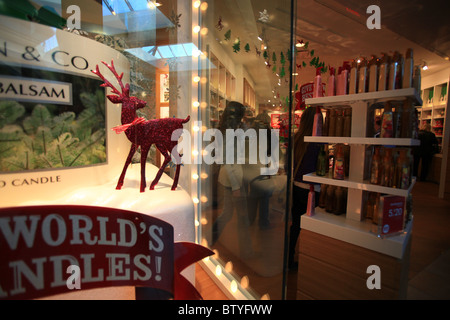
(429, 146)
(305, 159)
(231, 182)
(260, 188)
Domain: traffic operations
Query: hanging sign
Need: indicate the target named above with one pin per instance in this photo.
(48, 250)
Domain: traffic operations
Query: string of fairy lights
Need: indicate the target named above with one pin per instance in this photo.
(236, 286)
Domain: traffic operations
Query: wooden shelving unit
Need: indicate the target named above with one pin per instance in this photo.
(434, 110)
(249, 96)
(221, 88)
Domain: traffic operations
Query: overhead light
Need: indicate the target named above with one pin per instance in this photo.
(424, 66)
(300, 44)
(153, 4)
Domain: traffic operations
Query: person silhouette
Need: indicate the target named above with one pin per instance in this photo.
(305, 160)
(231, 183)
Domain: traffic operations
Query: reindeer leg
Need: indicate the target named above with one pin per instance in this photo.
(125, 167)
(161, 169)
(177, 172)
(144, 154)
(175, 180)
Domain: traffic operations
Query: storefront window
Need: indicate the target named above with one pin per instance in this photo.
(243, 203)
(223, 68)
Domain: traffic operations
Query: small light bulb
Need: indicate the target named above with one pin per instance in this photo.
(229, 266)
(196, 29)
(197, 4)
(233, 286)
(245, 282)
(265, 297)
(218, 270)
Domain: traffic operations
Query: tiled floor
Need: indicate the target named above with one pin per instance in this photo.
(429, 276)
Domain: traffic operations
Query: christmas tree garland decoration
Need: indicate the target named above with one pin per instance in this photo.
(228, 35)
(280, 71)
(314, 61)
(237, 45)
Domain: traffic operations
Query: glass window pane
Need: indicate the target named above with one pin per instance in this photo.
(223, 67)
(244, 195)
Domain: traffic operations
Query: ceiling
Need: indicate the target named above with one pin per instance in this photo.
(425, 23)
(337, 31)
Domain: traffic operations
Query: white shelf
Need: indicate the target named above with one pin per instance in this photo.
(352, 227)
(365, 141)
(356, 232)
(363, 185)
(378, 96)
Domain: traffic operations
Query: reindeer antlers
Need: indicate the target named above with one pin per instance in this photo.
(106, 82)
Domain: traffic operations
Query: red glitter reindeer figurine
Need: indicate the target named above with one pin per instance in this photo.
(143, 132)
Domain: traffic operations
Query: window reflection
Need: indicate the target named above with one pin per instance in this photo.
(245, 210)
(226, 64)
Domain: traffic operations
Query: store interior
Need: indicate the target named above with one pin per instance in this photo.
(337, 32)
(252, 51)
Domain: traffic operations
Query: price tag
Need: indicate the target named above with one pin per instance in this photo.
(393, 212)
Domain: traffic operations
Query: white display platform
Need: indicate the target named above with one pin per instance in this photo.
(174, 207)
(356, 232)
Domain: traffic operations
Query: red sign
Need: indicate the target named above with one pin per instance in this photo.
(42, 248)
(297, 118)
(306, 91)
(275, 120)
(393, 212)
